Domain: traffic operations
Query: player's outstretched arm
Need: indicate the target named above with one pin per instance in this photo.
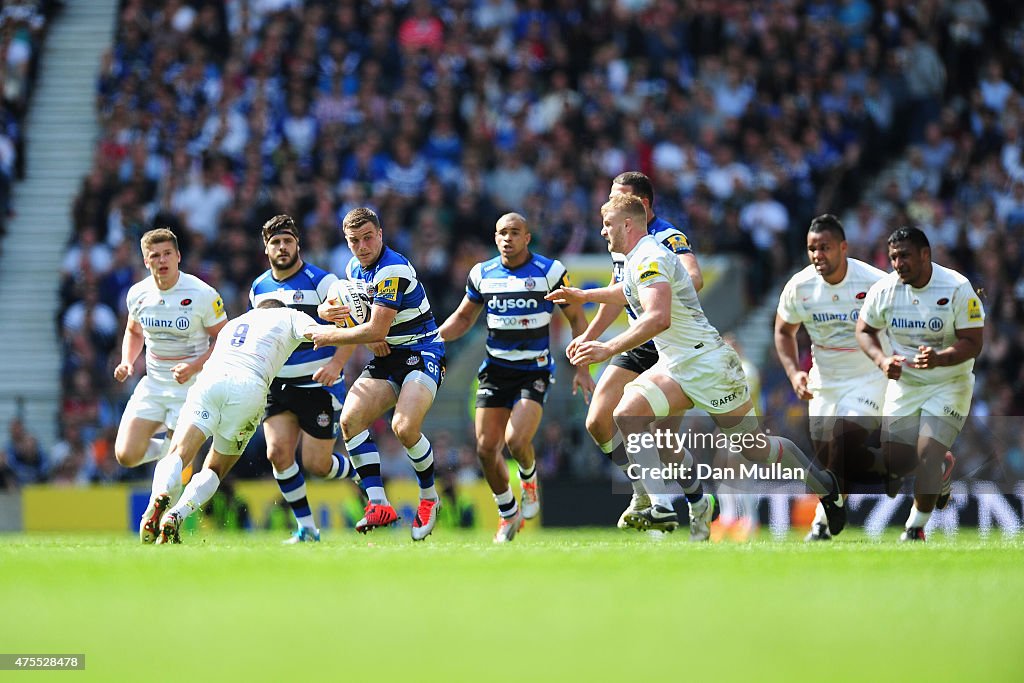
(656, 318)
(612, 294)
(372, 331)
(786, 347)
(459, 322)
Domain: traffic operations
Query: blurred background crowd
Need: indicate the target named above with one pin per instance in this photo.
(751, 117)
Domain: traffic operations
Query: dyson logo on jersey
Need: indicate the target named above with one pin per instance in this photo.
(502, 305)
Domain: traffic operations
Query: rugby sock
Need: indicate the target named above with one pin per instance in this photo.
(616, 452)
(819, 515)
(365, 458)
(156, 449)
(692, 486)
(199, 490)
(167, 477)
(663, 499)
(727, 503)
(528, 476)
(788, 454)
(700, 506)
(293, 488)
(649, 461)
(421, 455)
(917, 518)
(341, 467)
(507, 506)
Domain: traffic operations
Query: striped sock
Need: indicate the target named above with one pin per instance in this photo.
(341, 467)
(616, 452)
(528, 476)
(422, 457)
(507, 506)
(363, 452)
(293, 488)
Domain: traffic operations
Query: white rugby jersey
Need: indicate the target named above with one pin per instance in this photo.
(829, 313)
(690, 334)
(174, 321)
(257, 343)
(928, 316)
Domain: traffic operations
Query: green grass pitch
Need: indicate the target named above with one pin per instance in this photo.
(584, 605)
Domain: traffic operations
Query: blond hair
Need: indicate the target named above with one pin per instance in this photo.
(156, 236)
(629, 205)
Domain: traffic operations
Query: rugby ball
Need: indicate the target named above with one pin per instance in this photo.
(356, 296)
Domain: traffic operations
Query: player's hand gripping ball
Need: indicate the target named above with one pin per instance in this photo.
(353, 295)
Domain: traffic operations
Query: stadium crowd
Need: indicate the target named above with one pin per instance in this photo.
(23, 27)
(750, 117)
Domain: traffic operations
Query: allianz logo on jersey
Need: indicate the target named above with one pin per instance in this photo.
(180, 323)
(935, 324)
(829, 317)
(502, 305)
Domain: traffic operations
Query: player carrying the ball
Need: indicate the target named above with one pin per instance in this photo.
(405, 374)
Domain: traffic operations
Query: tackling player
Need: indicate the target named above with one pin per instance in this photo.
(226, 403)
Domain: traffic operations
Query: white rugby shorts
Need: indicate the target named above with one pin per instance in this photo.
(227, 407)
(156, 401)
(937, 411)
(860, 398)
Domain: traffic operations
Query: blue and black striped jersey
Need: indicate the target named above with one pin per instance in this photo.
(303, 291)
(394, 284)
(518, 317)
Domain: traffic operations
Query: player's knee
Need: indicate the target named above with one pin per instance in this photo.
(350, 426)
(628, 408)
(600, 426)
(129, 455)
(518, 445)
(318, 467)
(488, 447)
(405, 430)
(279, 457)
(125, 458)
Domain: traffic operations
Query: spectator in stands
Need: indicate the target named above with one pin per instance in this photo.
(443, 114)
(73, 459)
(24, 456)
